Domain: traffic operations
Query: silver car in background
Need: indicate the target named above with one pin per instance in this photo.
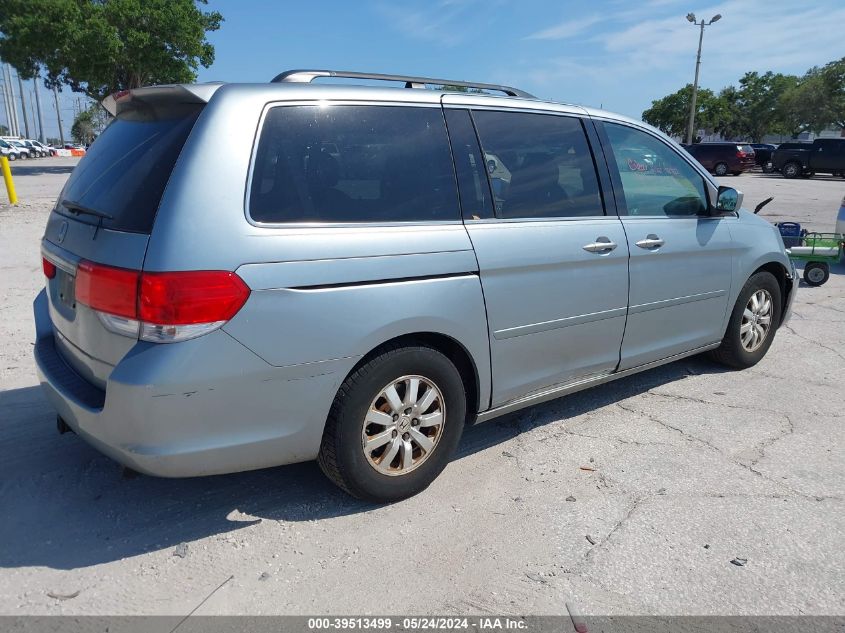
(366, 270)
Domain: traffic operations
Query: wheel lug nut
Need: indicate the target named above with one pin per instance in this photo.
(395, 417)
(415, 422)
(405, 436)
(395, 433)
(407, 411)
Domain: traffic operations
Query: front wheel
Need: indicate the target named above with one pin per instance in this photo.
(721, 169)
(816, 273)
(394, 424)
(752, 325)
(791, 170)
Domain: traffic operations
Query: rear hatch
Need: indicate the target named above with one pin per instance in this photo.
(105, 214)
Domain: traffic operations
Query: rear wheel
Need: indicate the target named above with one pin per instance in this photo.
(816, 273)
(752, 325)
(394, 424)
(12, 157)
(792, 170)
(721, 169)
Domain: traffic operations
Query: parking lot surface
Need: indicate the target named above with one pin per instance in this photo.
(630, 498)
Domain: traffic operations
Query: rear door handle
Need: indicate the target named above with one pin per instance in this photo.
(601, 245)
(651, 241)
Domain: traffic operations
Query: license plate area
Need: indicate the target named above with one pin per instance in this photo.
(65, 294)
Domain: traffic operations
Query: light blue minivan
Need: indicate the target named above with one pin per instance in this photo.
(241, 276)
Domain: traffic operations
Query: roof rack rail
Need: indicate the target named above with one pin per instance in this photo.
(307, 76)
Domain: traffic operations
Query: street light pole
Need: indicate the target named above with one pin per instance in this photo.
(702, 24)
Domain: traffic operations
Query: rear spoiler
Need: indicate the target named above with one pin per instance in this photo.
(174, 93)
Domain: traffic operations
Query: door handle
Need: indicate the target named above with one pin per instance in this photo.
(601, 245)
(651, 241)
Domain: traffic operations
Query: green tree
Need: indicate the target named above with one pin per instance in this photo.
(671, 113)
(727, 113)
(756, 103)
(4, 131)
(833, 79)
(804, 106)
(101, 46)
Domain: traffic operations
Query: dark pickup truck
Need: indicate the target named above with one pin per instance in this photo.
(824, 155)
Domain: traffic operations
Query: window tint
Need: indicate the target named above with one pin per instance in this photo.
(655, 179)
(353, 164)
(476, 202)
(539, 165)
(126, 169)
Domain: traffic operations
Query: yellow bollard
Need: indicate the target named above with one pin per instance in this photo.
(7, 176)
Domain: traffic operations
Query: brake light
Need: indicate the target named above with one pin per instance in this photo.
(187, 298)
(49, 268)
(160, 307)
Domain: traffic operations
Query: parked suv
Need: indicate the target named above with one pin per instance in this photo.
(21, 148)
(824, 155)
(8, 150)
(723, 158)
(349, 286)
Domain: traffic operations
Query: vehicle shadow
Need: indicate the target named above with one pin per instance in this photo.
(66, 506)
(760, 174)
(32, 168)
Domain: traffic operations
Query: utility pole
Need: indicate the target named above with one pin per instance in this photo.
(59, 116)
(6, 102)
(23, 106)
(7, 75)
(41, 136)
(702, 24)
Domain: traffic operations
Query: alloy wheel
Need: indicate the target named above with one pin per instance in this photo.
(403, 425)
(756, 320)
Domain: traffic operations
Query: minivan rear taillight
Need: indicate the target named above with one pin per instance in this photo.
(48, 267)
(161, 307)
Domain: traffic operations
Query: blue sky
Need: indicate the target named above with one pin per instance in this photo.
(618, 54)
(621, 54)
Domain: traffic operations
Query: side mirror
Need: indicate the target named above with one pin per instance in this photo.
(728, 200)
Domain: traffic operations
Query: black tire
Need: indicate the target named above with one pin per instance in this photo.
(808, 174)
(342, 457)
(732, 352)
(12, 157)
(721, 169)
(816, 273)
(792, 170)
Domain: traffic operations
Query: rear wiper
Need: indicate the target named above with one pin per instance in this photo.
(81, 209)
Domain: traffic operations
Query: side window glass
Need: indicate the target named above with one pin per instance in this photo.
(469, 165)
(353, 164)
(539, 165)
(656, 181)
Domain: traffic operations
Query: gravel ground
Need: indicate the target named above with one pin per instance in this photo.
(633, 497)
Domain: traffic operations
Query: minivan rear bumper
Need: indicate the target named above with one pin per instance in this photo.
(200, 407)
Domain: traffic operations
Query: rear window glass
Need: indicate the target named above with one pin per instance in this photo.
(353, 164)
(126, 169)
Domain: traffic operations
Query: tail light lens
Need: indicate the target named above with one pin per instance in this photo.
(107, 289)
(160, 307)
(48, 267)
